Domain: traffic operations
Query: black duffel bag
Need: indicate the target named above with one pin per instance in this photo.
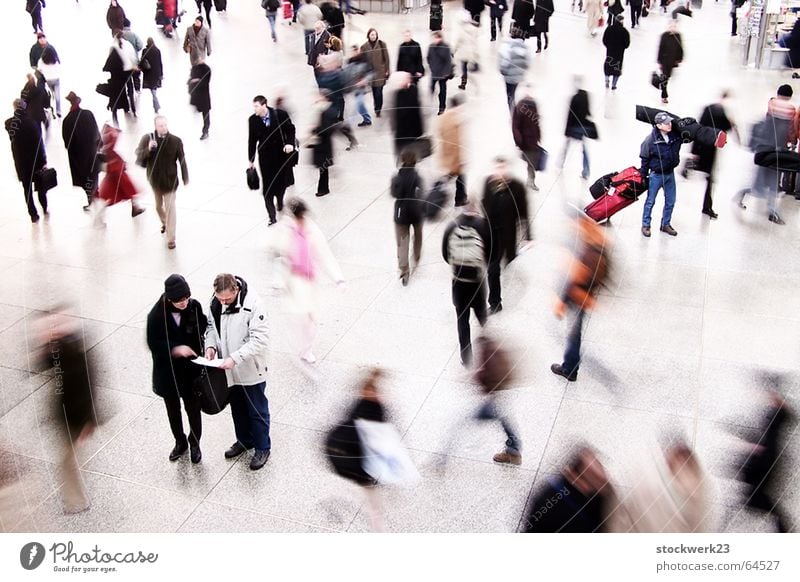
(253, 181)
(212, 388)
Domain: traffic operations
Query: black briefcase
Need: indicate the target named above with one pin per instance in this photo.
(212, 388)
(45, 180)
(252, 179)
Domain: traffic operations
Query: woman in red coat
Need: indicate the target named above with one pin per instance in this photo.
(116, 185)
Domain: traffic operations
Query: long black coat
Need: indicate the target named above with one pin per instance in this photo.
(82, 140)
(522, 13)
(505, 206)
(323, 149)
(616, 39)
(173, 377)
(36, 97)
(407, 117)
(27, 146)
(269, 143)
(116, 83)
(541, 16)
(409, 58)
(151, 78)
(670, 51)
(199, 87)
(712, 116)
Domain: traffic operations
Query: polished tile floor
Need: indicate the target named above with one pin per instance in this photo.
(675, 346)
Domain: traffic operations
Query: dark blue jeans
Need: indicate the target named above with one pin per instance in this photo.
(572, 355)
(488, 411)
(250, 411)
(657, 182)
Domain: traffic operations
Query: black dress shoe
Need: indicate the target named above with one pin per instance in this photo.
(179, 450)
(259, 460)
(195, 453)
(558, 370)
(711, 214)
(236, 449)
(495, 308)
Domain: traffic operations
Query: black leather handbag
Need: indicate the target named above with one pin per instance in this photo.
(252, 179)
(212, 388)
(45, 180)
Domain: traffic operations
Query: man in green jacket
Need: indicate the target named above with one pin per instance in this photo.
(160, 152)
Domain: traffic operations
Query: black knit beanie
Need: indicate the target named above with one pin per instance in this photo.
(176, 288)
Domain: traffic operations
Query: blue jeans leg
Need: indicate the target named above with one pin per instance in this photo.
(271, 18)
(488, 411)
(585, 159)
(361, 107)
(669, 198)
(572, 355)
(652, 191)
(252, 412)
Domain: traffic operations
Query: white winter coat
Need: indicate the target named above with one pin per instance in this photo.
(244, 337)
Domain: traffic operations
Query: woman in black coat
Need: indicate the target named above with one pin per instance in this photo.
(521, 16)
(153, 70)
(541, 22)
(175, 329)
(616, 39)
(82, 140)
(670, 55)
(36, 98)
(705, 155)
(117, 93)
(200, 93)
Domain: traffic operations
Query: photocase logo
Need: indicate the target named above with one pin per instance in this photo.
(31, 555)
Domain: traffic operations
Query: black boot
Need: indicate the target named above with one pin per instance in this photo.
(181, 446)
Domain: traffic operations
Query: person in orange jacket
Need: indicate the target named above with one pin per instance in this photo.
(588, 270)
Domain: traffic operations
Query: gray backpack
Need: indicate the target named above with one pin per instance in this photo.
(465, 249)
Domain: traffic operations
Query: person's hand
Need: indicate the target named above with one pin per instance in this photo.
(227, 364)
(287, 149)
(153, 144)
(560, 309)
(211, 353)
(85, 434)
(183, 352)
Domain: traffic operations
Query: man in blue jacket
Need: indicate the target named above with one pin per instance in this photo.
(660, 154)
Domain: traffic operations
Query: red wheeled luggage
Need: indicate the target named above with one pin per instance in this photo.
(288, 10)
(623, 190)
(607, 206)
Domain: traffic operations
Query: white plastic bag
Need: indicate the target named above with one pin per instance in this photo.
(385, 458)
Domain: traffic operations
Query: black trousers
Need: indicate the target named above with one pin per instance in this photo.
(498, 20)
(466, 297)
(192, 405)
(377, 98)
(539, 40)
(636, 14)
(495, 262)
(28, 193)
(36, 19)
(200, 4)
(708, 202)
(442, 92)
(758, 499)
(273, 191)
(322, 185)
(206, 121)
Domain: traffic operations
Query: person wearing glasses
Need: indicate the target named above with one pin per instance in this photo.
(175, 328)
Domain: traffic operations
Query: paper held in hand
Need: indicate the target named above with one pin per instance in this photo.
(206, 362)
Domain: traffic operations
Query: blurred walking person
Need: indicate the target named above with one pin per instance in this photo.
(200, 93)
(579, 126)
(465, 49)
(74, 400)
(527, 135)
(197, 42)
(451, 131)
(378, 58)
(670, 55)
(327, 123)
(115, 16)
(175, 328)
(497, 9)
(505, 206)
(407, 124)
(588, 269)
(541, 23)
(303, 249)
(49, 66)
(34, 8)
(579, 500)
(116, 185)
(407, 189)
(467, 248)
(153, 71)
(440, 63)
(616, 40)
(409, 57)
(513, 62)
(82, 141)
(204, 4)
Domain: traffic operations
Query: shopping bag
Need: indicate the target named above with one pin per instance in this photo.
(385, 458)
